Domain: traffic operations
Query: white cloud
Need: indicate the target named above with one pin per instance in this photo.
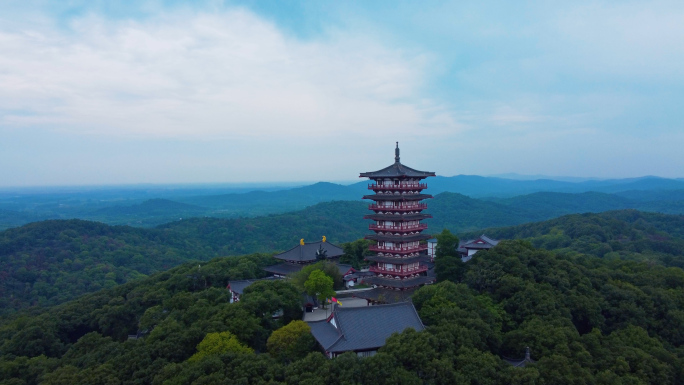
(222, 75)
(635, 40)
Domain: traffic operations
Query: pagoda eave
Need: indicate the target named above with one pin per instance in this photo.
(405, 283)
(398, 197)
(397, 217)
(398, 260)
(398, 238)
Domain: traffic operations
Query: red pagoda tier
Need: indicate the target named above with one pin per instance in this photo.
(400, 264)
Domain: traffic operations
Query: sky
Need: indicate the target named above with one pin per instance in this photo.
(124, 92)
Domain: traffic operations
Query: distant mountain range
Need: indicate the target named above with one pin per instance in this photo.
(136, 209)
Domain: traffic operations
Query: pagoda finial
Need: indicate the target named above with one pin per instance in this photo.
(396, 153)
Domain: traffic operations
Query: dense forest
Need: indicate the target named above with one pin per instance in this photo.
(625, 234)
(49, 262)
(587, 320)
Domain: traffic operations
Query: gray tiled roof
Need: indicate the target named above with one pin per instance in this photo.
(307, 252)
(397, 217)
(397, 170)
(284, 268)
(240, 285)
(358, 274)
(398, 238)
(399, 283)
(325, 334)
(473, 243)
(383, 295)
(489, 240)
(343, 268)
(365, 328)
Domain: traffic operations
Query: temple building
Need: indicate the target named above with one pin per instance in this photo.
(401, 263)
(238, 287)
(363, 330)
(306, 253)
(468, 248)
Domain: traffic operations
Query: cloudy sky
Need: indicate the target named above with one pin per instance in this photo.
(109, 92)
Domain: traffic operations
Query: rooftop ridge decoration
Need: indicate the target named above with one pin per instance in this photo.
(397, 170)
(307, 251)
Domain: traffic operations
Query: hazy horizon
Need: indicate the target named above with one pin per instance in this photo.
(295, 184)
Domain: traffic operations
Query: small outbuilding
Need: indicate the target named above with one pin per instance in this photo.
(237, 287)
(468, 248)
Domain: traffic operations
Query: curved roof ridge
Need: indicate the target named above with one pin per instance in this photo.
(296, 253)
(397, 169)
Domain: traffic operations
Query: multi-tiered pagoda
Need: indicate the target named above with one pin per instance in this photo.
(401, 262)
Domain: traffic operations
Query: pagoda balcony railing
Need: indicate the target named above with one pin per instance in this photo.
(393, 249)
(421, 226)
(413, 186)
(400, 271)
(419, 206)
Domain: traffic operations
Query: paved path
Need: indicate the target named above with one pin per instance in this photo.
(321, 314)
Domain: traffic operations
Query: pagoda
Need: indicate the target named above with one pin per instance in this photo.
(401, 263)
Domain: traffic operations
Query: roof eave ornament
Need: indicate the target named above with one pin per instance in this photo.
(396, 153)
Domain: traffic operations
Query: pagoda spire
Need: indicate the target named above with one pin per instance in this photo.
(396, 154)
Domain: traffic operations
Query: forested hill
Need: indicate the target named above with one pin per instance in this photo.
(49, 262)
(339, 221)
(624, 234)
(45, 263)
(587, 320)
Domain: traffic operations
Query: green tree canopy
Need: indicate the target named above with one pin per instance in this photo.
(355, 252)
(219, 343)
(330, 269)
(268, 298)
(291, 342)
(319, 285)
(448, 264)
